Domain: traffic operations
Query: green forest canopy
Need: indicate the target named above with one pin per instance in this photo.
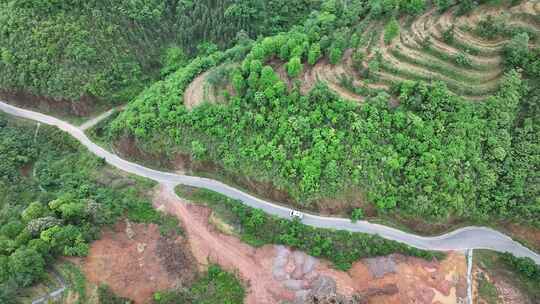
(435, 155)
(110, 50)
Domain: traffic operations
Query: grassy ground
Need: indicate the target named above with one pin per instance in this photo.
(49, 284)
(487, 291)
(498, 269)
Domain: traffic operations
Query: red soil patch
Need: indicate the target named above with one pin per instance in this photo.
(139, 262)
(530, 234)
(274, 273)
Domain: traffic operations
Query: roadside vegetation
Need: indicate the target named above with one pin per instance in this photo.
(522, 273)
(257, 228)
(54, 199)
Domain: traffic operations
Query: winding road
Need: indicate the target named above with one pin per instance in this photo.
(461, 239)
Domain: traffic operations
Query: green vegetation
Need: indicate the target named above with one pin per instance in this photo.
(357, 214)
(53, 201)
(487, 291)
(391, 31)
(72, 50)
(523, 273)
(316, 145)
(75, 280)
(106, 296)
(257, 228)
(216, 286)
(526, 267)
(422, 152)
(436, 155)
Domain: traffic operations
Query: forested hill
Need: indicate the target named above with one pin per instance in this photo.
(418, 148)
(109, 50)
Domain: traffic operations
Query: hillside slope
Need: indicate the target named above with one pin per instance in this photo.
(72, 54)
(423, 150)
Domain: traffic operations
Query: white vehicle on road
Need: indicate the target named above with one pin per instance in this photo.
(296, 214)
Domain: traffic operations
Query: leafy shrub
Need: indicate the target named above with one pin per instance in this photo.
(490, 28)
(215, 286)
(463, 60)
(391, 31)
(107, 296)
(524, 266)
(357, 214)
(294, 67)
(465, 7)
(448, 35)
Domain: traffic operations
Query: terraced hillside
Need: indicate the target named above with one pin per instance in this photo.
(434, 46)
(435, 155)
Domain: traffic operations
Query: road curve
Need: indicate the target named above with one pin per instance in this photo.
(461, 239)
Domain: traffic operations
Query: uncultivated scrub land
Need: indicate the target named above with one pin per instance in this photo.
(498, 281)
(54, 197)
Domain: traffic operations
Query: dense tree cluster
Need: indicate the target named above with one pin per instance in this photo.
(434, 155)
(51, 203)
(110, 50)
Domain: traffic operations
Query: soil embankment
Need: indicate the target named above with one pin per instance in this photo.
(276, 273)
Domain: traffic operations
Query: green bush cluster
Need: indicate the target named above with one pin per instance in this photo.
(525, 267)
(517, 54)
(391, 31)
(107, 296)
(52, 204)
(216, 286)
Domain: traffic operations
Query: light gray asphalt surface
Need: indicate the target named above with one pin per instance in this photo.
(461, 239)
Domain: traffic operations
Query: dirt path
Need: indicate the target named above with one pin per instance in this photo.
(94, 121)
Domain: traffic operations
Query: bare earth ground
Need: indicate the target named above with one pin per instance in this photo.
(135, 261)
(194, 93)
(200, 90)
(507, 292)
(275, 273)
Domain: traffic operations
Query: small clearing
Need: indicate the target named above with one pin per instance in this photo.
(195, 92)
(200, 90)
(135, 261)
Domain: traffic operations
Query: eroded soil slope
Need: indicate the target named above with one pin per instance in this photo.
(134, 260)
(275, 274)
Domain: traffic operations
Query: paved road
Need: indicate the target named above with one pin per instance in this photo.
(461, 239)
